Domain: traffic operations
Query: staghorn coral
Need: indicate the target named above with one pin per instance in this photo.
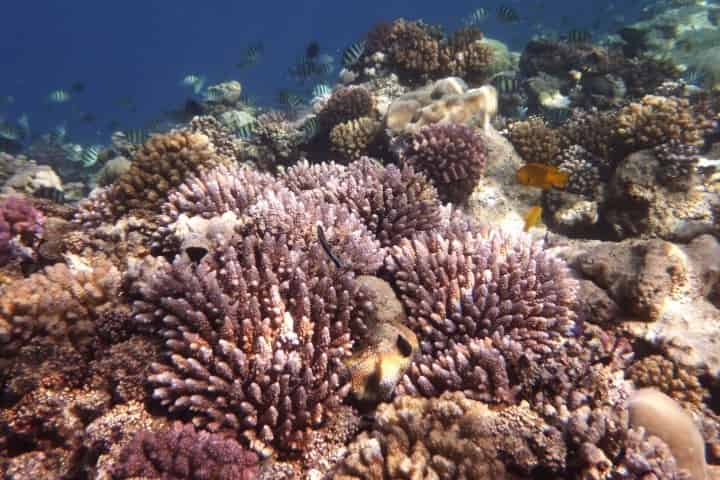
(21, 228)
(452, 437)
(61, 302)
(354, 138)
(678, 164)
(656, 120)
(486, 307)
(181, 453)
(452, 156)
(256, 331)
(535, 141)
(158, 168)
(345, 104)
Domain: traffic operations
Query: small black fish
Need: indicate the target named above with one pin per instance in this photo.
(77, 87)
(312, 50)
(507, 14)
(579, 36)
(326, 246)
(50, 193)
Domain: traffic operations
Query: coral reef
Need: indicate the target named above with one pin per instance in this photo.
(345, 104)
(678, 163)
(181, 453)
(278, 140)
(676, 381)
(452, 156)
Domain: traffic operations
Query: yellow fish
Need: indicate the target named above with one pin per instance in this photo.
(541, 175)
(532, 217)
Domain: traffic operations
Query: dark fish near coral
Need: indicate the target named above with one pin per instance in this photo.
(326, 246)
(353, 53)
(311, 127)
(556, 116)
(312, 50)
(136, 136)
(507, 14)
(290, 100)
(578, 36)
(50, 193)
(251, 55)
(77, 87)
(542, 176)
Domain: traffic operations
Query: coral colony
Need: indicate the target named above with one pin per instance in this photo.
(345, 291)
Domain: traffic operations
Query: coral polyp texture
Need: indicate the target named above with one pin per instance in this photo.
(256, 332)
(182, 453)
(21, 227)
(486, 307)
(354, 138)
(535, 140)
(158, 168)
(452, 156)
(345, 104)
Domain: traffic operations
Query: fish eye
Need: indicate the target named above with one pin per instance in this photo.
(404, 346)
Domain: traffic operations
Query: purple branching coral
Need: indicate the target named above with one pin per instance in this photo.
(452, 156)
(21, 227)
(256, 331)
(181, 453)
(485, 306)
(393, 202)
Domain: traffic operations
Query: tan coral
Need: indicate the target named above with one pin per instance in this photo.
(535, 141)
(674, 380)
(656, 120)
(451, 437)
(62, 301)
(354, 138)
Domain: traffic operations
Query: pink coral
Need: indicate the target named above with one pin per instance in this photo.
(21, 226)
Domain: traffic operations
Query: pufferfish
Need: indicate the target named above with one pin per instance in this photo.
(384, 357)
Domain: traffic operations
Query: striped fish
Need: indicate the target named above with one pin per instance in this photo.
(90, 154)
(507, 14)
(59, 96)
(321, 90)
(50, 193)
(476, 17)
(353, 53)
(506, 84)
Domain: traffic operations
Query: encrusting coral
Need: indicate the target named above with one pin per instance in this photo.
(181, 453)
(452, 156)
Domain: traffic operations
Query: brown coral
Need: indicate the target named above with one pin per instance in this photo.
(354, 138)
(656, 120)
(346, 103)
(62, 302)
(414, 50)
(452, 437)
(158, 168)
(670, 378)
(535, 141)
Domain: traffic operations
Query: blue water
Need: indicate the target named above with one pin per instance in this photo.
(140, 50)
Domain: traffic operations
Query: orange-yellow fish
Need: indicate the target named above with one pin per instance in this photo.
(532, 217)
(541, 175)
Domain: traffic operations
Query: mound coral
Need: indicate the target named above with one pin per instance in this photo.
(278, 139)
(452, 156)
(222, 139)
(591, 130)
(62, 302)
(354, 138)
(158, 168)
(256, 332)
(673, 380)
(486, 308)
(535, 141)
(21, 227)
(414, 50)
(181, 453)
(584, 169)
(656, 120)
(678, 164)
(452, 437)
(345, 104)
